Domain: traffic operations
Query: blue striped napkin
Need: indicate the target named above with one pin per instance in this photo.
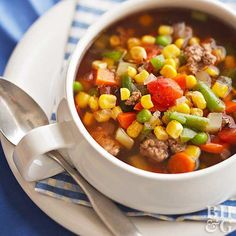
(62, 186)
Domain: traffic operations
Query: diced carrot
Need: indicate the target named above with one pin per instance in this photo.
(181, 163)
(181, 81)
(125, 119)
(230, 106)
(138, 107)
(105, 77)
(216, 148)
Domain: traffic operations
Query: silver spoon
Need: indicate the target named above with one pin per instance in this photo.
(19, 114)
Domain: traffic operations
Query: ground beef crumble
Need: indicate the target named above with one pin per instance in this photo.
(106, 141)
(199, 56)
(134, 98)
(176, 146)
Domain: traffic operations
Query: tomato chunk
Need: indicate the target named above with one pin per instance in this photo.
(228, 136)
(164, 92)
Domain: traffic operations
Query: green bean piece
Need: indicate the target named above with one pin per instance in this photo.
(77, 87)
(114, 55)
(200, 138)
(144, 116)
(127, 82)
(163, 40)
(158, 62)
(181, 119)
(187, 134)
(214, 104)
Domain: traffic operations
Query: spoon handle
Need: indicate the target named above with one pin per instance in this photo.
(109, 213)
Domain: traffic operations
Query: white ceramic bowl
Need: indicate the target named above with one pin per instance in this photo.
(146, 191)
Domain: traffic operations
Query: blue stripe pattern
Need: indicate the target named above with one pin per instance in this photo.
(63, 186)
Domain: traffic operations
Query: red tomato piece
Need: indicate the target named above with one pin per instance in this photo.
(164, 93)
(138, 107)
(181, 81)
(228, 136)
(152, 50)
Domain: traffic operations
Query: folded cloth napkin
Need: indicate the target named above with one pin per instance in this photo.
(62, 186)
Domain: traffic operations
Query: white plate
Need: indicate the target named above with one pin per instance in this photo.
(34, 66)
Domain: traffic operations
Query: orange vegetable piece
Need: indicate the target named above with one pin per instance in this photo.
(138, 107)
(105, 77)
(216, 148)
(181, 163)
(181, 81)
(230, 106)
(126, 119)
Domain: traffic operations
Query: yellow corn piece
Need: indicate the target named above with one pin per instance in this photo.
(99, 65)
(88, 119)
(198, 100)
(174, 129)
(139, 162)
(196, 112)
(148, 39)
(82, 99)
(141, 77)
(131, 71)
(154, 121)
(183, 108)
(160, 133)
(102, 115)
(109, 61)
(138, 53)
(194, 41)
(124, 94)
(165, 119)
(191, 81)
(193, 151)
(179, 42)
(132, 42)
(115, 40)
(93, 103)
(146, 101)
(168, 71)
(171, 51)
(134, 129)
(107, 101)
(212, 71)
(165, 30)
(115, 112)
(171, 62)
(220, 89)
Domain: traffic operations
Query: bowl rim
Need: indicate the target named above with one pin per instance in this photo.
(86, 41)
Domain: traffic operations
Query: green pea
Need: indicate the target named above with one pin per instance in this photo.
(158, 62)
(144, 116)
(200, 138)
(163, 40)
(114, 55)
(77, 87)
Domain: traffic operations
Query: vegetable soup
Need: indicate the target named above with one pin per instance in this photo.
(156, 90)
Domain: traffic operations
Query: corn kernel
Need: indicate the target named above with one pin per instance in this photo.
(194, 41)
(115, 40)
(171, 51)
(82, 99)
(88, 119)
(110, 62)
(141, 77)
(131, 71)
(193, 151)
(102, 115)
(99, 65)
(107, 101)
(198, 100)
(179, 42)
(212, 71)
(171, 62)
(133, 42)
(134, 129)
(165, 30)
(168, 71)
(183, 108)
(154, 121)
(115, 112)
(124, 94)
(148, 39)
(196, 112)
(220, 89)
(174, 129)
(138, 53)
(146, 101)
(93, 103)
(160, 133)
(191, 81)
(165, 119)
